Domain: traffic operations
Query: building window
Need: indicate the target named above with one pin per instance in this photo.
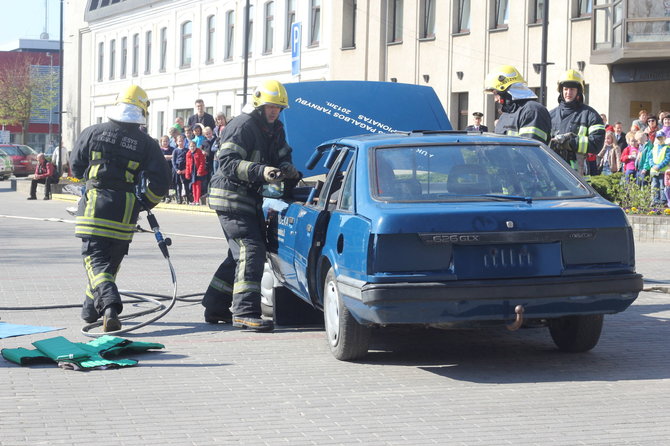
(268, 31)
(163, 60)
(250, 30)
(349, 24)
(394, 22)
(584, 8)
(501, 14)
(211, 35)
(290, 20)
(147, 54)
(112, 58)
(101, 60)
(230, 34)
(427, 12)
(462, 16)
(136, 54)
(124, 57)
(537, 10)
(185, 50)
(315, 22)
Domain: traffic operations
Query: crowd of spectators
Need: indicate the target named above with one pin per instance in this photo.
(190, 151)
(642, 154)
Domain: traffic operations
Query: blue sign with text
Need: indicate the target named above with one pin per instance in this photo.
(296, 38)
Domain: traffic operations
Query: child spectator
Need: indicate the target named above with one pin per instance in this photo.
(609, 156)
(667, 186)
(198, 130)
(188, 133)
(196, 171)
(645, 151)
(167, 150)
(657, 163)
(179, 124)
(221, 123)
(209, 147)
(666, 125)
(179, 170)
(173, 132)
(629, 155)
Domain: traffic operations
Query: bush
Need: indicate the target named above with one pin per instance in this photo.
(629, 195)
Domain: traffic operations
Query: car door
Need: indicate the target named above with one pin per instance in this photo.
(312, 220)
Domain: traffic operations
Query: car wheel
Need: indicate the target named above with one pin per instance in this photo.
(347, 339)
(576, 333)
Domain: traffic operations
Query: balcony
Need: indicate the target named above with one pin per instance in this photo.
(627, 31)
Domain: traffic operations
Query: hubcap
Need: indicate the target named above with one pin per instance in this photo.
(332, 313)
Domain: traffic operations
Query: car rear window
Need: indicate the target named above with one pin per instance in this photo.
(472, 172)
(12, 150)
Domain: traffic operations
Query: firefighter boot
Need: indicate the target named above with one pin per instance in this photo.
(212, 317)
(110, 320)
(253, 323)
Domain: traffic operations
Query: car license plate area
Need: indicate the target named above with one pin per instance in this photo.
(507, 260)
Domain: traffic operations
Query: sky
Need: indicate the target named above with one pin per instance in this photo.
(26, 18)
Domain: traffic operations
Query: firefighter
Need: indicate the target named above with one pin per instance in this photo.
(252, 153)
(521, 115)
(574, 124)
(112, 157)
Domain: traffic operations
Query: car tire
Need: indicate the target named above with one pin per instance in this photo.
(576, 334)
(348, 340)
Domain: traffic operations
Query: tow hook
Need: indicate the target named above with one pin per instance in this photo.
(519, 319)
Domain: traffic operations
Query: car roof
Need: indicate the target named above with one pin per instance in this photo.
(428, 137)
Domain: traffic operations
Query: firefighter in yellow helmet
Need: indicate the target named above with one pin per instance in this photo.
(112, 158)
(521, 115)
(574, 125)
(253, 152)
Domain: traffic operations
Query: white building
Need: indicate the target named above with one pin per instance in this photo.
(181, 50)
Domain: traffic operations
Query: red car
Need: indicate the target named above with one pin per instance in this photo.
(23, 157)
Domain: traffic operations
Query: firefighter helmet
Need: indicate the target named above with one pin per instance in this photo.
(502, 78)
(132, 106)
(573, 79)
(270, 92)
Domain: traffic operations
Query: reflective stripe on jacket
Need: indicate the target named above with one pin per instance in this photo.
(110, 157)
(581, 120)
(528, 119)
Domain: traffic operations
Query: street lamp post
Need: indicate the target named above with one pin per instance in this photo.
(51, 87)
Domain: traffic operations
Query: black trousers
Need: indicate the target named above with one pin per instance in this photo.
(47, 186)
(236, 285)
(102, 260)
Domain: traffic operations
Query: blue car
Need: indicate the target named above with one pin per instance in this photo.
(449, 229)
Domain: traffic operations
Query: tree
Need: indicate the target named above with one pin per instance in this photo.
(26, 89)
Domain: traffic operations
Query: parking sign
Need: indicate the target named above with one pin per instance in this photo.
(296, 38)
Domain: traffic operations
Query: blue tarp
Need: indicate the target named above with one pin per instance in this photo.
(10, 330)
(324, 110)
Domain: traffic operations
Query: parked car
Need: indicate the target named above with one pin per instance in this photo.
(449, 229)
(6, 165)
(23, 157)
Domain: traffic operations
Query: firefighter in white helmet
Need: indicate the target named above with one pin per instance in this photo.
(111, 158)
(521, 115)
(574, 124)
(253, 152)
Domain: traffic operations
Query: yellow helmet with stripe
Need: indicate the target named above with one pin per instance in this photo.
(270, 92)
(502, 78)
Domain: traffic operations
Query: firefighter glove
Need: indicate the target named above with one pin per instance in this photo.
(289, 171)
(272, 174)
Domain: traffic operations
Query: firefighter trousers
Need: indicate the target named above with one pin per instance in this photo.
(102, 260)
(236, 285)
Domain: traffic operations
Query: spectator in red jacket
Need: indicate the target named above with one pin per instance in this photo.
(196, 170)
(45, 173)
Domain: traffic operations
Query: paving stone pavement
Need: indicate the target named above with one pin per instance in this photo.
(214, 385)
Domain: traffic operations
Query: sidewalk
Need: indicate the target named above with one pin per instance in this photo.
(215, 385)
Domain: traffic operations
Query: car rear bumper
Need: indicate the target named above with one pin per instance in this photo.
(490, 300)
